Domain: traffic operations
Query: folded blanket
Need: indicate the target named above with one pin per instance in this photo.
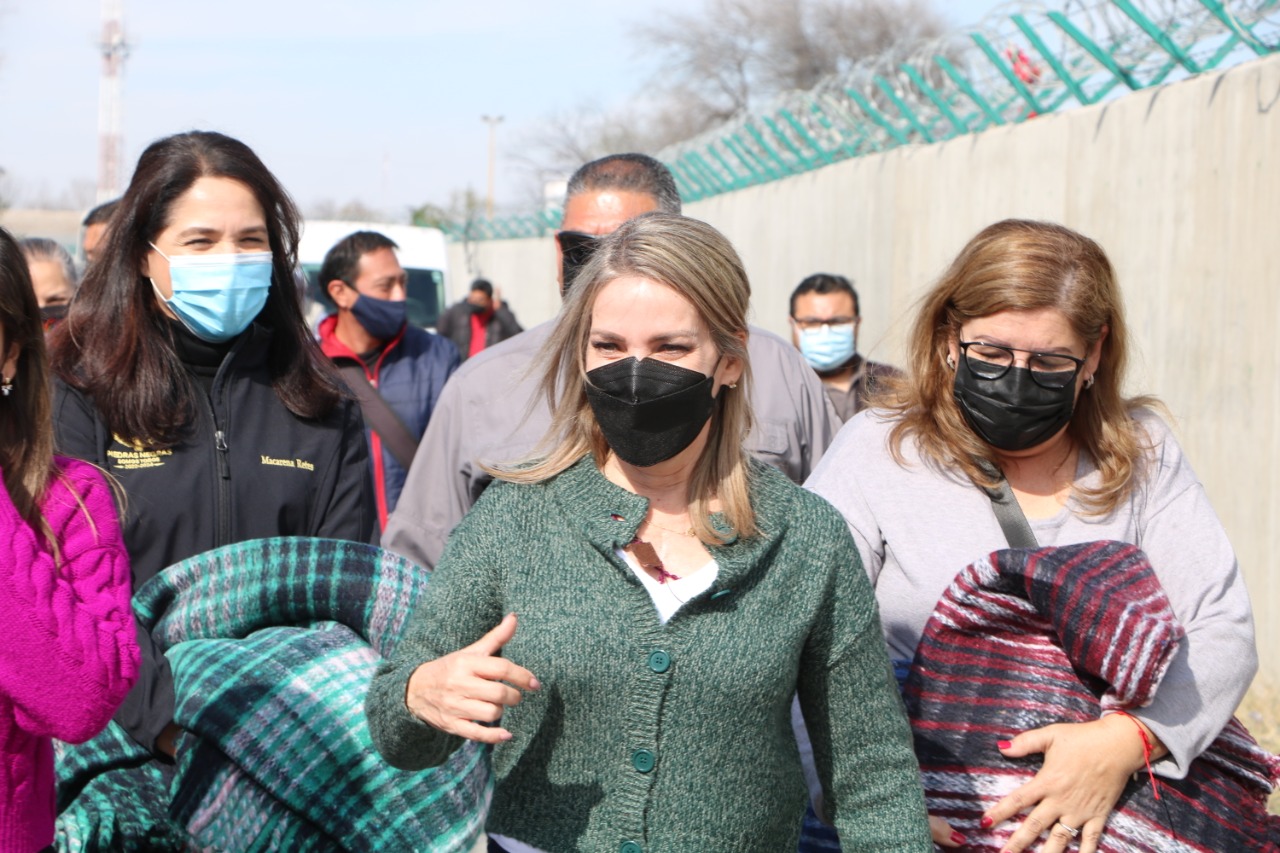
(1026, 638)
(272, 643)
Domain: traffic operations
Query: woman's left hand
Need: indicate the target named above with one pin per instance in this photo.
(1086, 766)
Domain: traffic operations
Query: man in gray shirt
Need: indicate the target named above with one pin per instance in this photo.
(489, 412)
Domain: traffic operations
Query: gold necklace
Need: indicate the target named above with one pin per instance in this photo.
(689, 532)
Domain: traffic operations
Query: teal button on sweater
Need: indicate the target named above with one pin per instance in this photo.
(691, 749)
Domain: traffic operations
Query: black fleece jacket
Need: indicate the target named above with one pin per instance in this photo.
(248, 468)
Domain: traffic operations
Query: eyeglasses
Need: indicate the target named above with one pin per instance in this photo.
(811, 324)
(1048, 369)
(576, 248)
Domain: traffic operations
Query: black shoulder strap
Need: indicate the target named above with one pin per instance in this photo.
(1011, 517)
(386, 423)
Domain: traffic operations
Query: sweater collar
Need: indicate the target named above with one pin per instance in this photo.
(609, 515)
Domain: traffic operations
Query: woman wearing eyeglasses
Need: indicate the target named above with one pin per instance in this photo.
(1017, 361)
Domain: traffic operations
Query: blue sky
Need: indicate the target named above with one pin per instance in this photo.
(378, 101)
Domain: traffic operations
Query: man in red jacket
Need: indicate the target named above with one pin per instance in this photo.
(396, 370)
(479, 321)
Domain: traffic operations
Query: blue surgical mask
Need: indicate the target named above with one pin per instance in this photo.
(217, 296)
(381, 318)
(827, 347)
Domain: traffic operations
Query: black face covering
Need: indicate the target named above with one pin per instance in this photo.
(649, 410)
(1012, 412)
(51, 315)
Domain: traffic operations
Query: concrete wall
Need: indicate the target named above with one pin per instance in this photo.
(1180, 184)
(60, 225)
(523, 270)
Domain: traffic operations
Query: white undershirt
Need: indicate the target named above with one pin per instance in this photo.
(668, 598)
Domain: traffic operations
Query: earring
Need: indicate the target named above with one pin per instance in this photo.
(951, 362)
(1088, 382)
(733, 385)
(7, 388)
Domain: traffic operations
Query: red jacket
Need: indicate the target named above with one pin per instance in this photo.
(409, 373)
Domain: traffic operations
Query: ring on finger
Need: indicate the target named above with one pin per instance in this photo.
(1074, 833)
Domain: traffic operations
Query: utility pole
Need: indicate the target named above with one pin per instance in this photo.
(493, 122)
(114, 50)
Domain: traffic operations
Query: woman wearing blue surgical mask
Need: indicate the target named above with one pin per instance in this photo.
(186, 370)
(1016, 385)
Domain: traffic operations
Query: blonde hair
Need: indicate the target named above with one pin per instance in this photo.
(697, 262)
(1017, 265)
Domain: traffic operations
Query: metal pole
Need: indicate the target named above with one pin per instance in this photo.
(113, 49)
(493, 122)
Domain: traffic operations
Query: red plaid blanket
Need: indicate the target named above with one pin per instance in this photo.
(1025, 638)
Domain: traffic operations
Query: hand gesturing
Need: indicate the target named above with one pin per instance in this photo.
(473, 685)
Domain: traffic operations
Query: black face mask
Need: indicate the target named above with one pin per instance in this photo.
(1012, 412)
(51, 315)
(649, 410)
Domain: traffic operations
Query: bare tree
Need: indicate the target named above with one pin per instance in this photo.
(724, 57)
(564, 140)
(734, 55)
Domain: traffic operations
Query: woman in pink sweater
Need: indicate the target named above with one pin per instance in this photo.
(69, 653)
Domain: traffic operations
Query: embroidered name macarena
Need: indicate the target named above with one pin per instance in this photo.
(288, 463)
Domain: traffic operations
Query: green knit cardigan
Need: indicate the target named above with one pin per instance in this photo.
(652, 737)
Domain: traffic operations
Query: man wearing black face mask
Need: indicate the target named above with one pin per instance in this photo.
(488, 413)
(396, 370)
(479, 321)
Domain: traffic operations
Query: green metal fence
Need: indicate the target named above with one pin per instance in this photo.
(1025, 59)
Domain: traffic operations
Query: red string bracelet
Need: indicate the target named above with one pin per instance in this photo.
(1146, 751)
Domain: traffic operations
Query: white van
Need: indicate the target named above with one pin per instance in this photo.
(422, 253)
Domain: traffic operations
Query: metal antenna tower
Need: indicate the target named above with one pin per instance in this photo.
(114, 50)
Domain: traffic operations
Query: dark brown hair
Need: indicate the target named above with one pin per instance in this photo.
(26, 428)
(115, 344)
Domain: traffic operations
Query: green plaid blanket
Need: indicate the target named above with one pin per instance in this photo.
(272, 644)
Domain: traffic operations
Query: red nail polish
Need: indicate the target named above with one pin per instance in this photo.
(1004, 744)
(986, 822)
(957, 838)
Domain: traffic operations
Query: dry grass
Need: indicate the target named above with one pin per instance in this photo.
(1260, 713)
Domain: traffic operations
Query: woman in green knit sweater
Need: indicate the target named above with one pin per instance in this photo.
(672, 596)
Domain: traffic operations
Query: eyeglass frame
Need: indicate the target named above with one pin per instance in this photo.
(576, 255)
(1031, 354)
(585, 238)
(813, 324)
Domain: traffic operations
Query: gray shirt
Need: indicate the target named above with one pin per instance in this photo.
(916, 527)
(866, 376)
(488, 413)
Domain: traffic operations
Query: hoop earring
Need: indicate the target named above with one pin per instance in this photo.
(7, 388)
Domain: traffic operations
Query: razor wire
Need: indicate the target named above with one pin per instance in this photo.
(1025, 59)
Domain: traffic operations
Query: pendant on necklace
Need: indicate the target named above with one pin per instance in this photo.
(648, 558)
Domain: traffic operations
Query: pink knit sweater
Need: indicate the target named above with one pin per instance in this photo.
(68, 652)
